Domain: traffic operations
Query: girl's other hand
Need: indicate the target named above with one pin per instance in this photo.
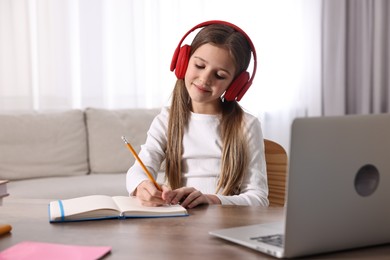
(190, 197)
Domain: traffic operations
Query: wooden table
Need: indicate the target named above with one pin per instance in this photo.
(153, 238)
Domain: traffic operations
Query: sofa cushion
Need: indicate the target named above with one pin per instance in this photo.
(69, 187)
(107, 151)
(43, 144)
(110, 184)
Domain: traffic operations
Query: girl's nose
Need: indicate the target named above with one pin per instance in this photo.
(205, 77)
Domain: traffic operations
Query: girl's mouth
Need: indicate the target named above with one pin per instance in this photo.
(201, 88)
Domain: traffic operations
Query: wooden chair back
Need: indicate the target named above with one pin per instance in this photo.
(276, 160)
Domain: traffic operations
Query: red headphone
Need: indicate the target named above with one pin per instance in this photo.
(239, 85)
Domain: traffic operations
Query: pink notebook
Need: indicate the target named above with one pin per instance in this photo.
(42, 251)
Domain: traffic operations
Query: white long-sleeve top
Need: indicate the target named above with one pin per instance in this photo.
(201, 159)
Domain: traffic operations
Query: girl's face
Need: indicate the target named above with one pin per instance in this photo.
(210, 72)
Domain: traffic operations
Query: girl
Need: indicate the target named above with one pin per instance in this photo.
(213, 150)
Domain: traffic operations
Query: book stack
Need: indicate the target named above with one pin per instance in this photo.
(3, 190)
(4, 228)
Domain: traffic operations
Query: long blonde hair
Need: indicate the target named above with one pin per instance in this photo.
(234, 159)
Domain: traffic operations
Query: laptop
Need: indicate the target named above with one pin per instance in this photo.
(338, 190)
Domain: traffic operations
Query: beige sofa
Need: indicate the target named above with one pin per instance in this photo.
(65, 154)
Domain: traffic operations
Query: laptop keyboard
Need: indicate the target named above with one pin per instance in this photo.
(275, 240)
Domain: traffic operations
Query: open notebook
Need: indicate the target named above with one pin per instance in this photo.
(338, 189)
(97, 207)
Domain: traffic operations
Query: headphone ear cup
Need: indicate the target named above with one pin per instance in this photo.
(174, 59)
(237, 85)
(182, 61)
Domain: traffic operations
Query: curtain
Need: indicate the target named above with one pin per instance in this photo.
(356, 57)
(61, 54)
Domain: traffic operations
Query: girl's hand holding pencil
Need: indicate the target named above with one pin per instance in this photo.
(150, 192)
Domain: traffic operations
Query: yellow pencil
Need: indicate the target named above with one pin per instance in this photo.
(4, 229)
(150, 176)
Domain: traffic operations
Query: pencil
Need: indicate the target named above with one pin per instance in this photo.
(150, 176)
(4, 229)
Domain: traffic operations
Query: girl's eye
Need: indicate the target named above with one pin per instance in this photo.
(219, 76)
(199, 66)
